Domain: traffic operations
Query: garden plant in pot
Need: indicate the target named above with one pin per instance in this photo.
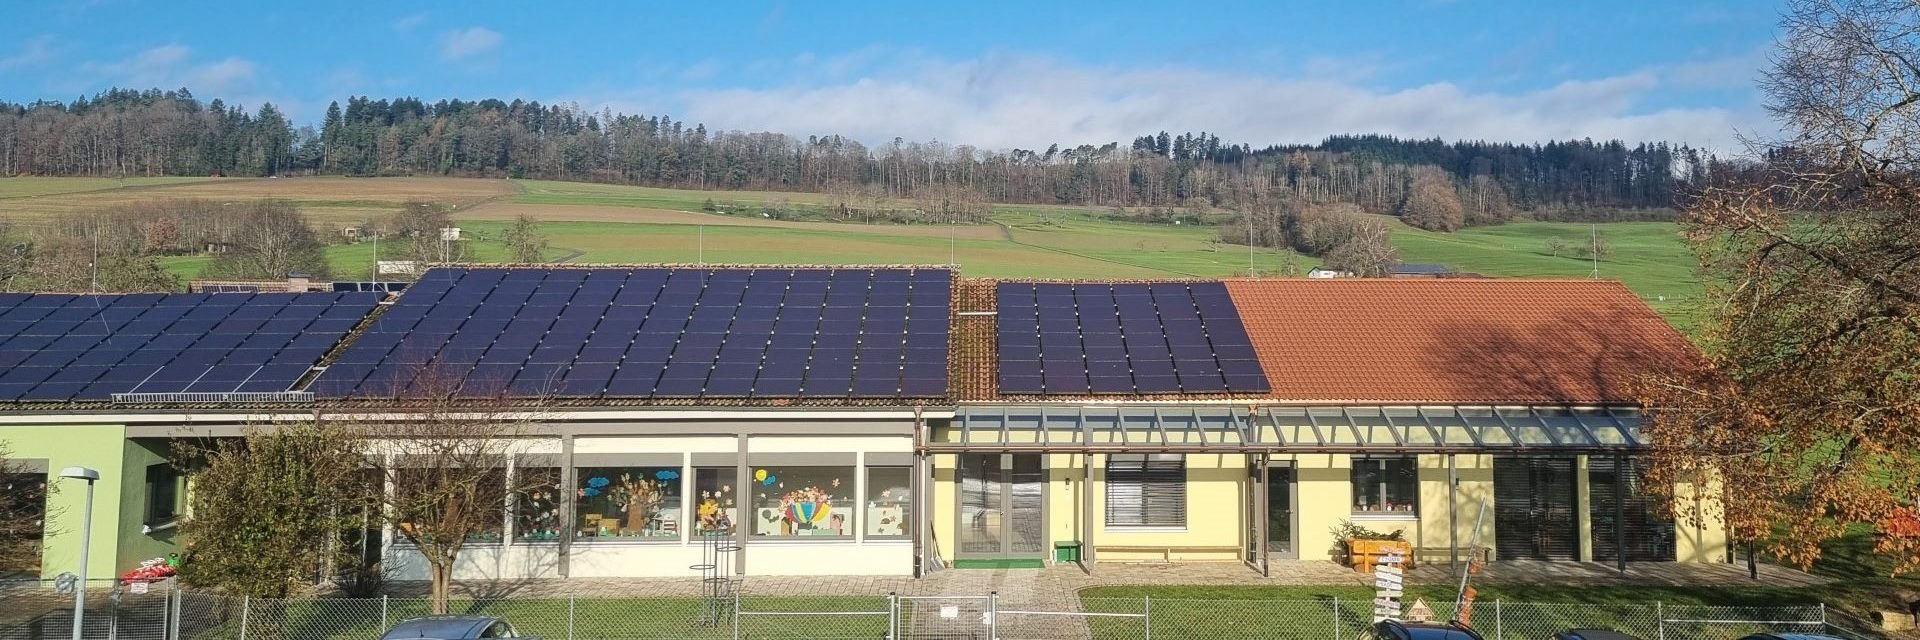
(1366, 547)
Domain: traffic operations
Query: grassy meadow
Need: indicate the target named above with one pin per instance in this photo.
(587, 223)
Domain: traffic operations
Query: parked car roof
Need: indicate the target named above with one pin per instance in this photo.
(1788, 636)
(440, 627)
(1394, 630)
(1592, 634)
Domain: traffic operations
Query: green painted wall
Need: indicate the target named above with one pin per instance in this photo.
(135, 545)
(119, 497)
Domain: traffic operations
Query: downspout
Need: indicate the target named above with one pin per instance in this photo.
(921, 480)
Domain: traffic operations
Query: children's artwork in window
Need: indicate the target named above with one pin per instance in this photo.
(803, 501)
(536, 504)
(629, 502)
(889, 501)
(714, 506)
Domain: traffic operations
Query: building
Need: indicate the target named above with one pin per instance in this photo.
(1399, 270)
(893, 420)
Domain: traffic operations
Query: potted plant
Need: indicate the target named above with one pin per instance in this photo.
(1366, 547)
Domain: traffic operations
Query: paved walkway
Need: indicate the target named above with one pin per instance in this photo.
(1056, 586)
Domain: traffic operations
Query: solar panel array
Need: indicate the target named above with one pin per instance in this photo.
(1072, 339)
(658, 333)
(57, 347)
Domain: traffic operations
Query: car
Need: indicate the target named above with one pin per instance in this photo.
(1396, 630)
(1592, 634)
(451, 628)
(1788, 636)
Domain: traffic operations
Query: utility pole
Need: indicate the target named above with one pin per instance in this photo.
(1593, 248)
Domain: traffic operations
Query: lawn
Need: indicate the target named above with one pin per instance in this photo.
(558, 618)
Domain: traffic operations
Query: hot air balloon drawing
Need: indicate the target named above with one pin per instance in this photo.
(804, 510)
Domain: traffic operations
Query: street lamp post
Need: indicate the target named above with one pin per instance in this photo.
(86, 542)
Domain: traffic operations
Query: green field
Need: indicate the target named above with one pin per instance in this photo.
(598, 223)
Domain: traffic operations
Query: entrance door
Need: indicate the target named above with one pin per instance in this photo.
(1002, 507)
(1269, 512)
(1534, 516)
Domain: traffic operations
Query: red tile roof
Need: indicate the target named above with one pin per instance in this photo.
(1455, 340)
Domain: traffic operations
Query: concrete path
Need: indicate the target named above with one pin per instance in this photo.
(1057, 586)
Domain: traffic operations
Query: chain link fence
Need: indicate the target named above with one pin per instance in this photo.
(37, 611)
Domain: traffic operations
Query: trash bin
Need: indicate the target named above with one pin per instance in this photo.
(1066, 551)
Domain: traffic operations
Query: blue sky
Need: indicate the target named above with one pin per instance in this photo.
(995, 74)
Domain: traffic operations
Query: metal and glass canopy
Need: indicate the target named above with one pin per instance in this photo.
(1288, 429)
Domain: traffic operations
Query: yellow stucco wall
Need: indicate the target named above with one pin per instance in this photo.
(1702, 538)
(1218, 486)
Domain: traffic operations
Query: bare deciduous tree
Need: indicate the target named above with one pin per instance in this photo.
(23, 516)
(444, 461)
(270, 240)
(1807, 410)
(1431, 202)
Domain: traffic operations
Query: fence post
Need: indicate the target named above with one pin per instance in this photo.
(1499, 621)
(173, 621)
(1823, 617)
(246, 608)
(1660, 618)
(893, 615)
(383, 612)
(570, 614)
(993, 615)
(1149, 618)
(1336, 618)
(736, 614)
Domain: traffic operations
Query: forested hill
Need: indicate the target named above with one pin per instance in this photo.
(127, 132)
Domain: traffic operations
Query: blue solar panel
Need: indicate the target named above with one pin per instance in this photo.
(158, 342)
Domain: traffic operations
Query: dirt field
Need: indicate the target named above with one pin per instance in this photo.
(503, 210)
(328, 200)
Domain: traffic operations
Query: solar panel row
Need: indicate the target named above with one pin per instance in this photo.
(59, 347)
(1073, 339)
(657, 333)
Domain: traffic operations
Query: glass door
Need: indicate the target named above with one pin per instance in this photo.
(1280, 511)
(1269, 511)
(1002, 506)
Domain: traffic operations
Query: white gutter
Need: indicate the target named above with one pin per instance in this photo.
(528, 416)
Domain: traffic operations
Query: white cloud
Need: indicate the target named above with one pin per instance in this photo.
(468, 42)
(1010, 100)
(170, 67)
(35, 52)
(1718, 73)
(409, 22)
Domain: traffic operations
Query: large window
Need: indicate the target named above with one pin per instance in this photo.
(1385, 486)
(889, 501)
(803, 501)
(1147, 490)
(536, 504)
(163, 494)
(629, 502)
(715, 502)
(430, 496)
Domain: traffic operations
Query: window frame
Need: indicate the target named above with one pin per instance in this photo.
(846, 494)
(676, 502)
(171, 479)
(1383, 486)
(1168, 479)
(907, 511)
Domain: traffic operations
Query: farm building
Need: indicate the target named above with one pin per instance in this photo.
(893, 420)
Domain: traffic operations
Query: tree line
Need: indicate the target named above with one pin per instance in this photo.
(124, 132)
